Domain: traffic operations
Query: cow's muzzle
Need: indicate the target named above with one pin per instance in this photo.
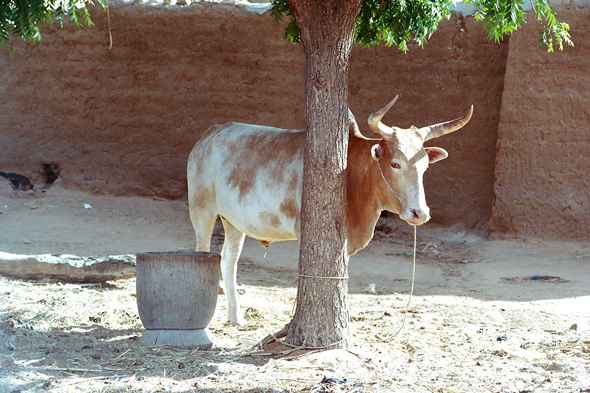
(415, 216)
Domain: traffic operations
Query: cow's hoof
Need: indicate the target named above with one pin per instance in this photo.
(239, 321)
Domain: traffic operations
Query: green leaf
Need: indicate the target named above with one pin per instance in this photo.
(24, 18)
(399, 22)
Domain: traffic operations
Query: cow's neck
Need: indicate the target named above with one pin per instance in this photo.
(364, 191)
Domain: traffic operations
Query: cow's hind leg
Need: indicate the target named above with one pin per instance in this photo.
(203, 224)
(230, 253)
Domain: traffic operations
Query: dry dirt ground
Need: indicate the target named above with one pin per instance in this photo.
(477, 321)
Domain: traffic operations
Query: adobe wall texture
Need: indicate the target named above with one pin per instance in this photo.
(542, 186)
(123, 120)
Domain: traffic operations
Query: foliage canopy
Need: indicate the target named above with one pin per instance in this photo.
(24, 18)
(389, 22)
(398, 22)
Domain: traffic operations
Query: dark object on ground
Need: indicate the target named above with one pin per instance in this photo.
(334, 380)
(50, 174)
(326, 388)
(18, 183)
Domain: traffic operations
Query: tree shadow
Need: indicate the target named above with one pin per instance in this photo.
(34, 360)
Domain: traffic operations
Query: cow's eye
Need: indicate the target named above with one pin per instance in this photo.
(395, 165)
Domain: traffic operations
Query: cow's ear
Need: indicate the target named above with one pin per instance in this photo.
(436, 154)
(377, 152)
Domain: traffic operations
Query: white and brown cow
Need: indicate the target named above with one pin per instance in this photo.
(251, 176)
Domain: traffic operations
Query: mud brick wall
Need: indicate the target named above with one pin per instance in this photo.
(122, 121)
(542, 186)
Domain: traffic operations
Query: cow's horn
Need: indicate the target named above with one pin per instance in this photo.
(352, 125)
(441, 129)
(375, 120)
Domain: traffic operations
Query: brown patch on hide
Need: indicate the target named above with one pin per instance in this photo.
(243, 179)
(289, 208)
(272, 219)
(266, 152)
(200, 198)
(293, 184)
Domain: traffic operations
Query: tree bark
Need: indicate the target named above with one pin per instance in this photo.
(327, 32)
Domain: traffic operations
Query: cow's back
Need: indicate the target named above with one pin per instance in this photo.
(250, 175)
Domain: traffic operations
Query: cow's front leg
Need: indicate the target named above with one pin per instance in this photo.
(230, 253)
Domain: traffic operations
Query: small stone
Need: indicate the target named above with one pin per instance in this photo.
(5, 325)
(94, 319)
(574, 326)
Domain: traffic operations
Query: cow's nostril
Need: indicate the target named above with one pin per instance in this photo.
(415, 213)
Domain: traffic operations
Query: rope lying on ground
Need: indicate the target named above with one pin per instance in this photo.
(411, 289)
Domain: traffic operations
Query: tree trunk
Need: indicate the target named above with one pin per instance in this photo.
(321, 316)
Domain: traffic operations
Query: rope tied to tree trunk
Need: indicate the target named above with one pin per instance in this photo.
(324, 277)
(303, 347)
(276, 337)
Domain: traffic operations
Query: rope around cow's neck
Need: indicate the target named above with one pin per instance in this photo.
(346, 277)
(413, 262)
(386, 183)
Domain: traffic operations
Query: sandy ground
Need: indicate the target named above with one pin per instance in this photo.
(477, 321)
